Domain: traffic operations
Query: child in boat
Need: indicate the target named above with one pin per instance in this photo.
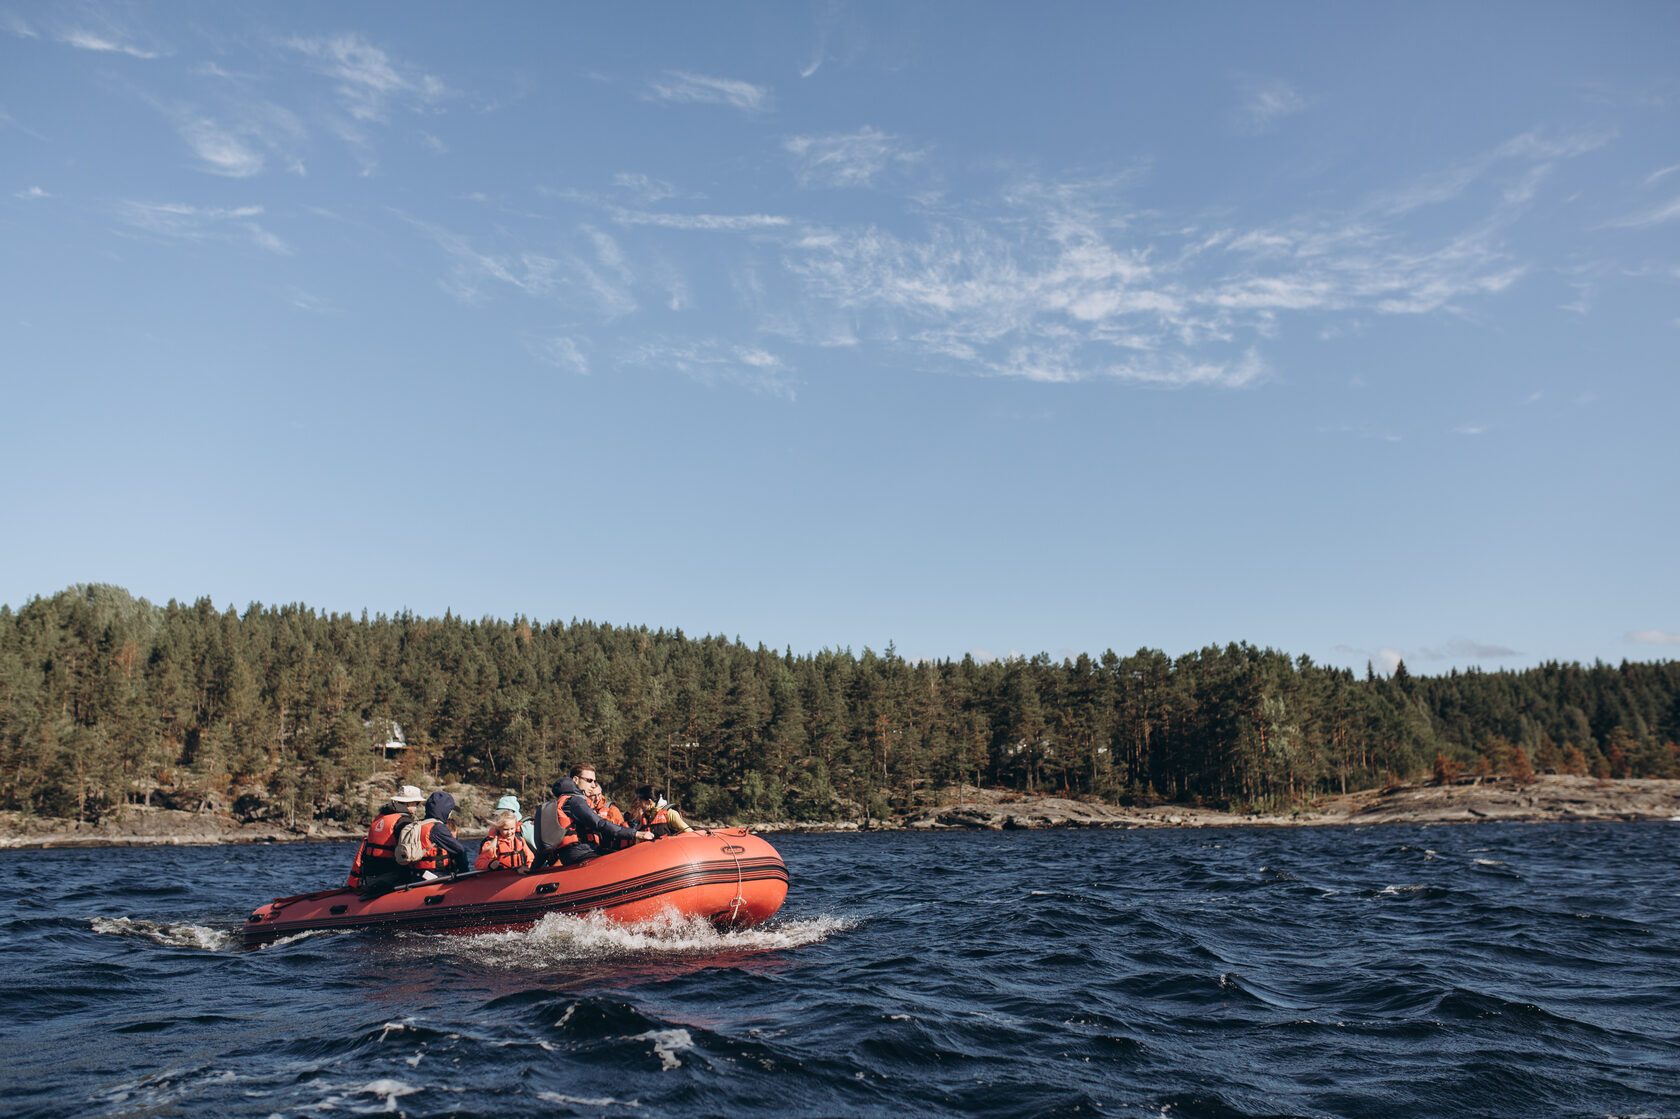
(504, 847)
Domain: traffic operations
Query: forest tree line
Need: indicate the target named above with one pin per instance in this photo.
(105, 699)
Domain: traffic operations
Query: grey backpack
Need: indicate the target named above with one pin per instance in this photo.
(411, 844)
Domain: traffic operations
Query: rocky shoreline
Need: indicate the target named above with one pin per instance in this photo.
(1545, 798)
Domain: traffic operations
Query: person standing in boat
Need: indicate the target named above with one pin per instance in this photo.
(656, 815)
(376, 868)
(570, 831)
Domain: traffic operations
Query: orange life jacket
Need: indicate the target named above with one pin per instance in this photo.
(568, 830)
(607, 810)
(381, 843)
(660, 816)
(501, 852)
(435, 856)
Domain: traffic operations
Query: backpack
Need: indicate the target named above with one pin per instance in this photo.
(411, 844)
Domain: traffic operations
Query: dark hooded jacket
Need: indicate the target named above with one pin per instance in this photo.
(438, 807)
(591, 828)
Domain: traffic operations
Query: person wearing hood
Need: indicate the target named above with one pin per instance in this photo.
(570, 831)
(444, 853)
(527, 826)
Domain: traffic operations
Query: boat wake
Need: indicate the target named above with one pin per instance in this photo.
(560, 938)
(161, 932)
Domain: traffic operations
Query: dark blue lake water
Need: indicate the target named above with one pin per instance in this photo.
(1508, 970)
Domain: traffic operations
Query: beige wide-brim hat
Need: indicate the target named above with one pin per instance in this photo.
(408, 794)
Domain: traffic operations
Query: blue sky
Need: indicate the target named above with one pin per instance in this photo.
(1351, 330)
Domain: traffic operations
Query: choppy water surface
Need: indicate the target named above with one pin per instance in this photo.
(1491, 970)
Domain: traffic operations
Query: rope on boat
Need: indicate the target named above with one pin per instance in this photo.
(735, 904)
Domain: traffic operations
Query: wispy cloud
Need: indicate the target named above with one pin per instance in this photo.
(561, 352)
(369, 85)
(222, 152)
(530, 272)
(1464, 647)
(369, 80)
(1265, 102)
(301, 300)
(596, 272)
(240, 148)
(182, 222)
(1653, 637)
(679, 86)
(1669, 211)
(646, 189)
(851, 159)
(31, 194)
(1470, 429)
(108, 39)
(714, 362)
(14, 24)
(725, 223)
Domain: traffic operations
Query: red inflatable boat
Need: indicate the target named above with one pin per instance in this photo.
(730, 877)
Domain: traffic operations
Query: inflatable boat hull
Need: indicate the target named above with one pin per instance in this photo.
(728, 877)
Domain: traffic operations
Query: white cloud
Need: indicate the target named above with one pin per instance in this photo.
(182, 222)
(1661, 173)
(647, 189)
(852, 159)
(726, 223)
(369, 80)
(31, 194)
(223, 152)
(713, 362)
(684, 87)
(561, 352)
(1653, 637)
(1471, 429)
(88, 40)
(1667, 212)
(13, 24)
(1265, 103)
(1462, 647)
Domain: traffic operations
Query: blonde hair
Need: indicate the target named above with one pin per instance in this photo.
(505, 817)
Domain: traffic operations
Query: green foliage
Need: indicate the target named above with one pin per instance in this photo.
(105, 699)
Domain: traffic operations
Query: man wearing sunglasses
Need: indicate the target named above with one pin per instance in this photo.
(570, 831)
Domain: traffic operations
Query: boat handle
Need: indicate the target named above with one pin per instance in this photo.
(337, 909)
(548, 887)
(435, 899)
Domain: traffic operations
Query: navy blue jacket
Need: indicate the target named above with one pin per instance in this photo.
(586, 820)
(438, 807)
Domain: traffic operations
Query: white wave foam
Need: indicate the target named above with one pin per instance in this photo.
(586, 1101)
(667, 1044)
(595, 938)
(1487, 862)
(178, 935)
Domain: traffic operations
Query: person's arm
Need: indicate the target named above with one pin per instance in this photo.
(674, 821)
(587, 819)
(445, 839)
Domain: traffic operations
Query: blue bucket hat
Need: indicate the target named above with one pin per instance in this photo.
(509, 803)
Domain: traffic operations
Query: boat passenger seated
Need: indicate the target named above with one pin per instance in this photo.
(504, 848)
(657, 815)
(569, 831)
(376, 868)
(443, 853)
(527, 826)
